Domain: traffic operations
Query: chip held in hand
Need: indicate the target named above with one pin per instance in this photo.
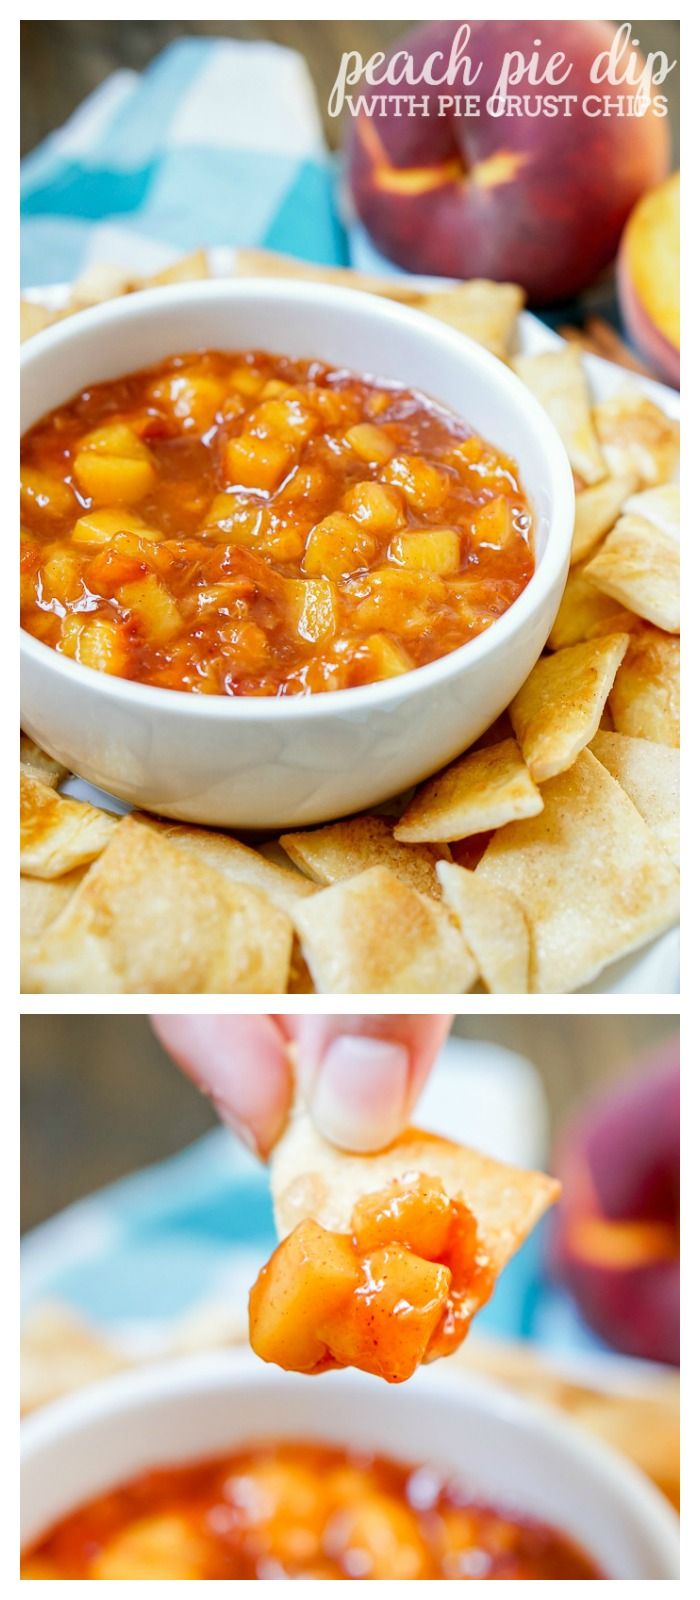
(384, 1259)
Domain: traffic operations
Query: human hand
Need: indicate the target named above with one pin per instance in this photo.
(360, 1076)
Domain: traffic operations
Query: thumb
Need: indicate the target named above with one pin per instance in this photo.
(361, 1076)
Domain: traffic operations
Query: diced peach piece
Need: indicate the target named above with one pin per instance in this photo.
(416, 1213)
(212, 595)
(285, 1506)
(336, 546)
(233, 405)
(240, 519)
(95, 642)
(161, 1546)
(313, 602)
(311, 1275)
(377, 403)
(193, 398)
(424, 485)
(100, 527)
(336, 407)
(113, 465)
(390, 600)
(434, 550)
(249, 643)
(247, 381)
(223, 508)
(149, 600)
(377, 506)
(116, 439)
(111, 568)
(273, 387)
(106, 478)
(285, 419)
(388, 1322)
(370, 443)
(308, 482)
(283, 542)
(258, 463)
(385, 1532)
(468, 451)
(60, 575)
(138, 546)
(492, 523)
(41, 491)
(388, 657)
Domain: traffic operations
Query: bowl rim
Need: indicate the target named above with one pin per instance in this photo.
(182, 1376)
(384, 692)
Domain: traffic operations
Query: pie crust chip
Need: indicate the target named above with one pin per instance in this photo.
(36, 763)
(311, 1178)
(150, 917)
(586, 613)
(485, 311)
(41, 900)
(638, 565)
(593, 880)
(235, 860)
(558, 380)
(645, 697)
(344, 849)
(57, 834)
(660, 506)
(60, 1352)
(558, 709)
(481, 790)
(597, 508)
(650, 774)
(374, 934)
(494, 926)
(637, 437)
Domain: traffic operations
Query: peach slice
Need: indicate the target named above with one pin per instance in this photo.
(649, 278)
(311, 1276)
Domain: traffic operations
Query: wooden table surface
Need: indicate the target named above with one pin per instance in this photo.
(62, 62)
(100, 1098)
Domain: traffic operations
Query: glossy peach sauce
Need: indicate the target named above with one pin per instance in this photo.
(298, 1510)
(245, 524)
(399, 1289)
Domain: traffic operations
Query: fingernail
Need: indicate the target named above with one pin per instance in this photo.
(241, 1129)
(360, 1094)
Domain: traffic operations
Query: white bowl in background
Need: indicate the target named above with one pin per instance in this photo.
(504, 1450)
(275, 763)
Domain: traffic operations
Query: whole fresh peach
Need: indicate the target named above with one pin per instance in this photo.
(526, 196)
(615, 1237)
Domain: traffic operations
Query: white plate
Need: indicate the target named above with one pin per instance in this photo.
(656, 968)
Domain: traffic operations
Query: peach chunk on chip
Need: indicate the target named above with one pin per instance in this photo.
(387, 1324)
(418, 1216)
(385, 1258)
(312, 1273)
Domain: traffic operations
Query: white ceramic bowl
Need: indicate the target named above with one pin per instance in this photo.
(503, 1450)
(261, 763)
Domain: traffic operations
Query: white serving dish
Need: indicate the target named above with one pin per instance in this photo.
(503, 1449)
(656, 968)
(259, 763)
